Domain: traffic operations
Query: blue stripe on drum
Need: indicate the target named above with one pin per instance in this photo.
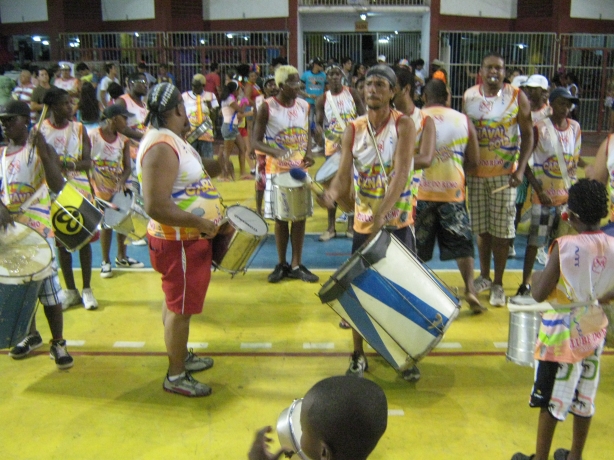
(402, 301)
(363, 323)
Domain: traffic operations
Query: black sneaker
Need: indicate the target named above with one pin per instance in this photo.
(301, 273)
(561, 454)
(281, 271)
(23, 348)
(411, 375)
(524, 290)
(58, 352)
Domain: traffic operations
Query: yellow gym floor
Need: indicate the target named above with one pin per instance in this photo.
(271, 343)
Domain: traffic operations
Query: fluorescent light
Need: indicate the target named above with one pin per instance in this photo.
(396, 32)
(229, 35)
(363, 17)
(384, 40)
(136, 34)
(36, 38)
(202, 41)
(46, 42)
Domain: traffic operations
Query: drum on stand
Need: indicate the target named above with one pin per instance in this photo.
(237, 239)
(25, 261)
(74, 219)
(291, 198)
(393, 300)
(129, 218)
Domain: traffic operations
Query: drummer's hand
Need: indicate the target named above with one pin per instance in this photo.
(282, 154)
(207, 228)
(325, 201)
(37, 139)
(260, 448)
(252, 155)
(307, 162)
(379, 221)
(5, 218)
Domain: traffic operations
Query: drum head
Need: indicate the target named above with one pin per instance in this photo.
(328, 170)
(124, 201)
(247, 220)
(24, 255)
(286, 180)
(289, 427)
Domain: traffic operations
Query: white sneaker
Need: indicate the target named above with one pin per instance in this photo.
(481, 284)
(141, 242)
(316, 149)
(89, 302)
(105, 270)
(71, 298)
(542, 256)
(497, 296)
(512, 252)
(342, 218)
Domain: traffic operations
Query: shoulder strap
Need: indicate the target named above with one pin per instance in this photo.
(558, 151)
(333, 106)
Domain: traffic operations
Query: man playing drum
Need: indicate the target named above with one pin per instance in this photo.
(441, 213)
(201, 106)
(22, 174)
(500, 113)
(185, 209)
(282, 133)
(334, 110)
(380, 147)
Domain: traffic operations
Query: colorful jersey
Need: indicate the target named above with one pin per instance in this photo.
(22, 181)
(333, 128)
(287, 129)
(68, 144)
(369, 181)
(419, 118)
(496, 122)
(545, 163)
(193, 190)
(197, 110)
(586, 265)
(610, 165)
(71, 84)
(541, 114)
(139, 113)
(444, 180)
(24, 94)
(108, 158)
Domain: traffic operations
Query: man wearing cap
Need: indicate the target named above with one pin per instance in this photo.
(335, 109)
(69, 83)
(200, 106)
(500, 114)
(23, 91)
(22, 180)
(185, 210)
(556, 157)
(282, 133)
(376, 159)
(314, 81)
(111, 169)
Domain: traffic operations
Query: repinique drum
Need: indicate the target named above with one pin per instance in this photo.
(74, 219)
(291, 198)
(199, 131)
(25, 261)
(523, 330)
(289, 429)
(328, 170)
(237, 239)
(130, 219)
(394, 301)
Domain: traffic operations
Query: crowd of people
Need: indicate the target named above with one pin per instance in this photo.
(408, 163)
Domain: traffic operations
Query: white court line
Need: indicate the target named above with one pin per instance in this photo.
(128, 344)
(256, 345)
(318, 345)
(198, 345)
(500, 344)
(396, 412)
(75, 343)
(449, 345)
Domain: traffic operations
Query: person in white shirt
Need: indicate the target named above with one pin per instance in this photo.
(201, 107)
(103, 88)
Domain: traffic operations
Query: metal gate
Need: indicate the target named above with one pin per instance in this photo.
(362, 47)
(185, 53)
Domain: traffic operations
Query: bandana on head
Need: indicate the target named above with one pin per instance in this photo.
(382, 71)
(333, 67)
(162, 98)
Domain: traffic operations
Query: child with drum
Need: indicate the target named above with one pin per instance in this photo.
(570, 340)
(112, 167)
(24, 198)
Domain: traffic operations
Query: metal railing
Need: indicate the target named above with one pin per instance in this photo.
(363, 2)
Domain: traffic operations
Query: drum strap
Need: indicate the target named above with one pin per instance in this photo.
(558, 151)
(199, 109)
(5, 176)
(379, 155)
(333, 106)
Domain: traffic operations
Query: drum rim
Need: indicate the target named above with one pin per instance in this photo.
(41, 274)
(329, 161)
(239, 207)
(284, 175)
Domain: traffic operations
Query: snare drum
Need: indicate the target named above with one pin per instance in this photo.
(74, 219)
(130, 218)
(291, 198)
(237, 239)
(523, 330)
(25, 261)
(394, 301)
(289, 429)
(328, 170)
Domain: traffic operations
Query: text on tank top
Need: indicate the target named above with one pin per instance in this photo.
(108, 159)
(333, 128)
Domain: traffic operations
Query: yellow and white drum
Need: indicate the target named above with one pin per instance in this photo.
(74, 219)
(25, 261)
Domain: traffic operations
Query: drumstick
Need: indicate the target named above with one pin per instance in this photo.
(38, 125)
(301, 176)
(106, 204)
(500, 189)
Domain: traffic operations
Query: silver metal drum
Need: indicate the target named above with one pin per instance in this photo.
(524, 327)
(291, 198)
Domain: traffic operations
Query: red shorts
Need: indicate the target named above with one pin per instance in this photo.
(243, 132)
(184, 287)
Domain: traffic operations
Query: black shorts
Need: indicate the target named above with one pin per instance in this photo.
(447, 223)
(405, 235)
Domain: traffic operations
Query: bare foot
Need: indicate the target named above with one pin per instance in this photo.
(474, 303)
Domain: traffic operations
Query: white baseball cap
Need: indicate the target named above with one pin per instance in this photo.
(520, 81)
(381, 58)
(537, 81)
